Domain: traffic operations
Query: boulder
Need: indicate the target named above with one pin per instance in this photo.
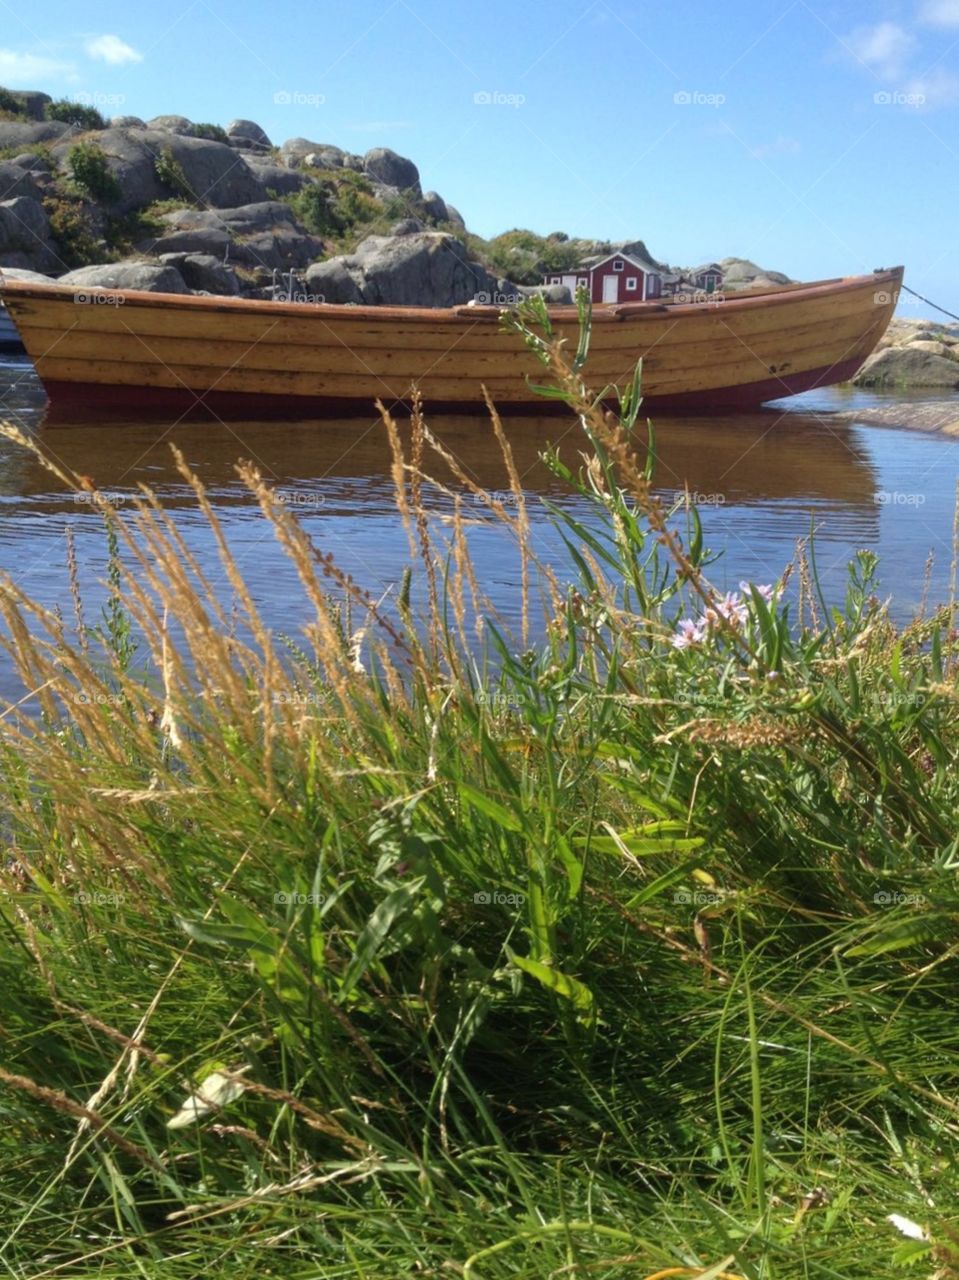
(127, 122)
(247, 131)
(333, 282)
(215, 173)
(392, 170)
(29, 277)
(26, 239)
(740, 273)
(905, 366)
(212, 242)
(554, 294)
(434, 206)
(32, 101)
(212, 171)
(23, 136)
(294, 151)
(203, 272)
(425, 269)
(127, 275)
(407, 227)
(172, 124)
(934, 348)
(454, 217)
(264, 234)
(132, 158)
(275, 177)
(16, 181)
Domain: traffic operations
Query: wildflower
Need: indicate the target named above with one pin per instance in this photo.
(732, 608)
(767, 592)
(688, 633)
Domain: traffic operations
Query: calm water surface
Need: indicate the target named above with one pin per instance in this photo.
(762, 479)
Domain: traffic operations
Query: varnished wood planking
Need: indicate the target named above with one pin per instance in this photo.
(232, 345)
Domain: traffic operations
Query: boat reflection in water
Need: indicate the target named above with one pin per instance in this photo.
(768, 456)
(756, 477)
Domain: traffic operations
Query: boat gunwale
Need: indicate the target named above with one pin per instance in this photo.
(781, 295)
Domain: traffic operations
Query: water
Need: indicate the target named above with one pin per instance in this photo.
(762, 480)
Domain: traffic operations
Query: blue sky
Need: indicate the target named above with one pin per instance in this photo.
(818, 138)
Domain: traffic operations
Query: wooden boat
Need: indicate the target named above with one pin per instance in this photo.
(231, 357)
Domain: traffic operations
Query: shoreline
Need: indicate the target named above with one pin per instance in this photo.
(939, 417)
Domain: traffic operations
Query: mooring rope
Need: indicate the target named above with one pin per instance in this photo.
(935, 306)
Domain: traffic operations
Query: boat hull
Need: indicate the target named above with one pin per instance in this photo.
(142, 353)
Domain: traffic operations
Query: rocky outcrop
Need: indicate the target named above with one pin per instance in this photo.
(126, 275)
(247, 132)
(265, 234)
(17, 180)
(392, 170)
(172, 124)
(425, 269)
(150, 165)
(204, 273)
(275, 177)
(24, 136)
(740, 273)
(914, 353)
(26, 239)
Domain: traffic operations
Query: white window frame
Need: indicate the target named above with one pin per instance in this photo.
(632, 284)
(619, 264)
(581, 282)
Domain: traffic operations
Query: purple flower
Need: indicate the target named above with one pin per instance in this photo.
(766, 592)
(687, 633)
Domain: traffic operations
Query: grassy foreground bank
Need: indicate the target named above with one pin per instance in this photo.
(361, 955)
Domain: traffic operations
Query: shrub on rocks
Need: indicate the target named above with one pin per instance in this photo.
(75, 113)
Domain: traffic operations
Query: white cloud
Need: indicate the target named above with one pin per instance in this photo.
(937, 88)
(28, 71)
(111, 49)
(940, 13)
(884, 48)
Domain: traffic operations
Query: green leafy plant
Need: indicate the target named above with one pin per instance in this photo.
(90, 170)
(170, 172)
(213, 132)
(11, 107)
(76, 231)
(75, 113)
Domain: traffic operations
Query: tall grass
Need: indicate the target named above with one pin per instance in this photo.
(395, 951)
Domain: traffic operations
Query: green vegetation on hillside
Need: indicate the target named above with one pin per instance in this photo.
(382, 951)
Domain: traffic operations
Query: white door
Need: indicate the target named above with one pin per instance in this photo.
(611, 288)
